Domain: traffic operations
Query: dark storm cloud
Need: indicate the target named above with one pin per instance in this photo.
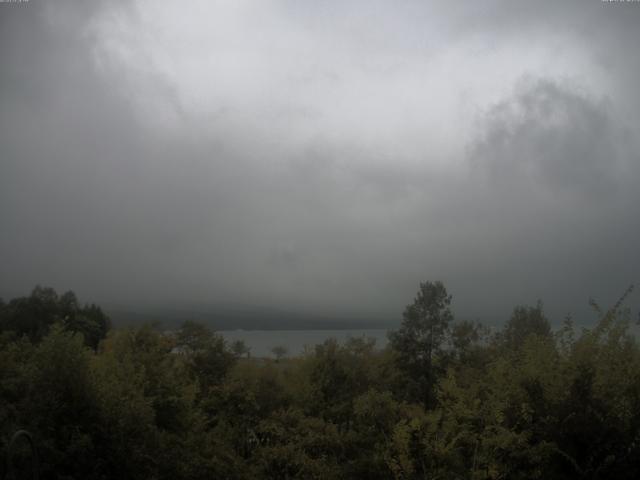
(554, 140)
(556, 178)
(324, 158)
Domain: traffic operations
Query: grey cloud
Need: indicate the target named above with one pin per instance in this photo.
(554, 180)
(548, 135)
(327, 191)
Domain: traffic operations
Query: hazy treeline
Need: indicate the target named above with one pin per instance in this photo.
(445, 399)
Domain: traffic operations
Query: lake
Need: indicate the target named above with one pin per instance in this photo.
(262, 341)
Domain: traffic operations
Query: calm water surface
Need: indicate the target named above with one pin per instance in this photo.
(262, 341)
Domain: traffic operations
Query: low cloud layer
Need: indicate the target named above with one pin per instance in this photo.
(320, 157)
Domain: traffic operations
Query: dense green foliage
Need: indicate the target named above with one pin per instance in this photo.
(33, 316)
(446, 399)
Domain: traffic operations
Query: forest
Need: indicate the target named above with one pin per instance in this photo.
(446, 399)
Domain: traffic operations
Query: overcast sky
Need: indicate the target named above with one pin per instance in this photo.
(321, 156)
